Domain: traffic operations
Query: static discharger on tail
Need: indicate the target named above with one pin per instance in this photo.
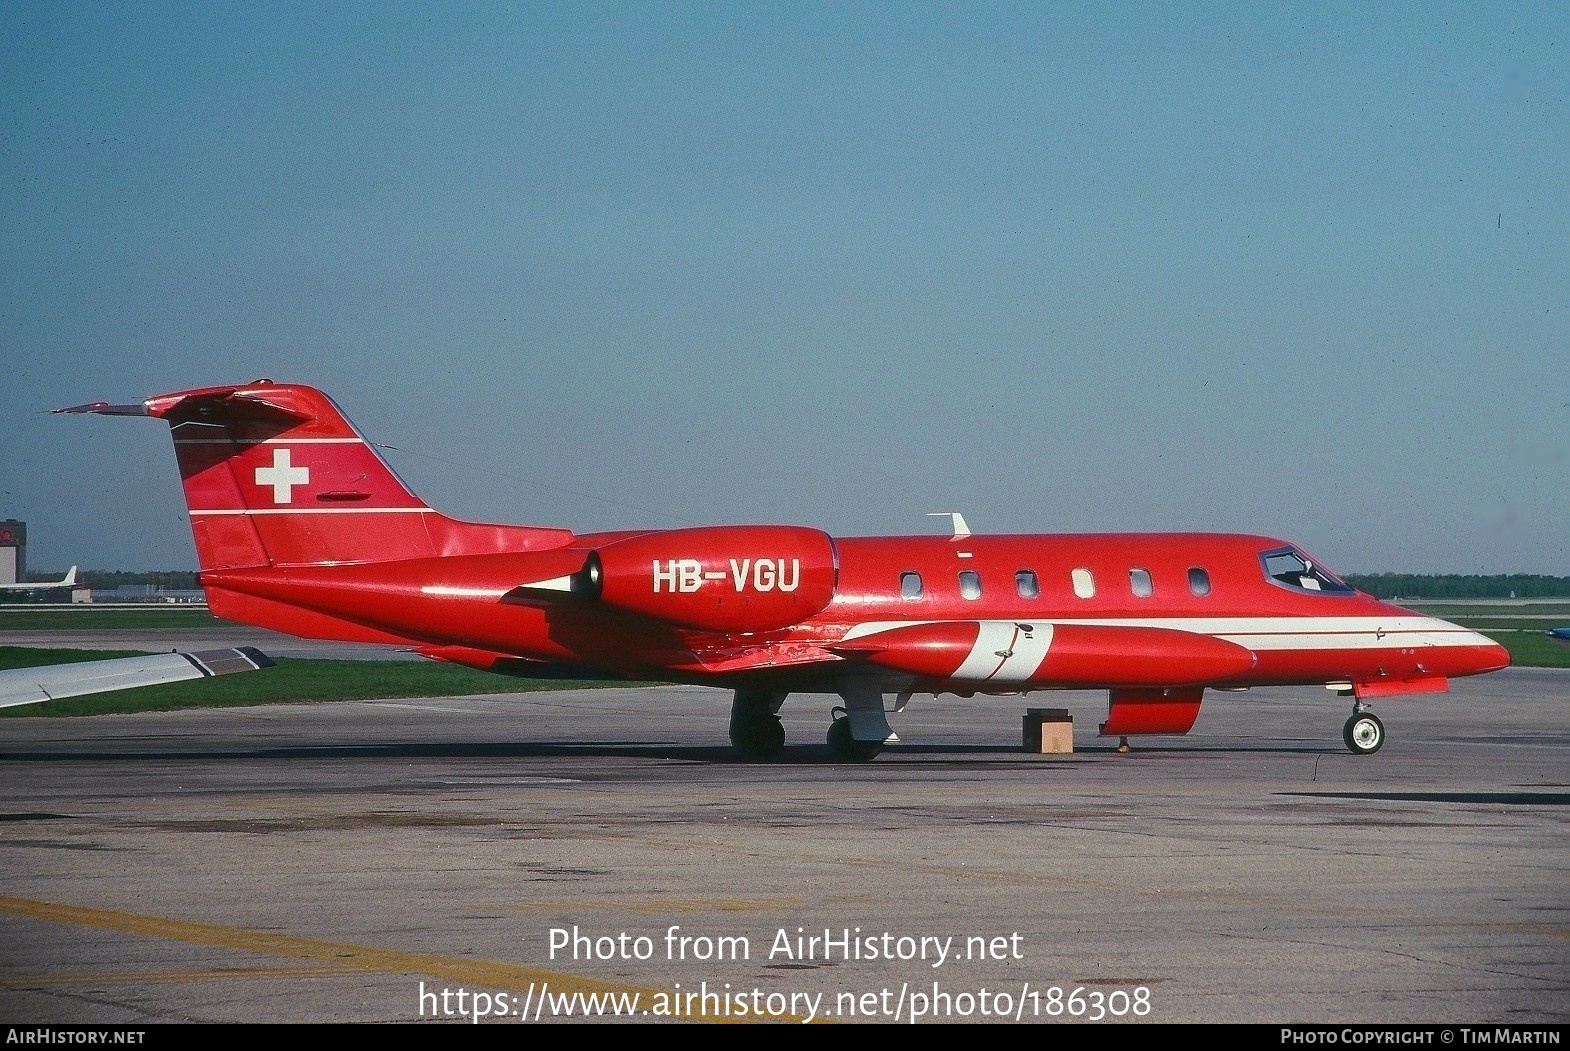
(300, 526)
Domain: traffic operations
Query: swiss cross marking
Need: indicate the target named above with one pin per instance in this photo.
(282, 476)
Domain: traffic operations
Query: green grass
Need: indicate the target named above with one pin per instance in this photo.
(27, 657)
(1559, 612)
(1537, 624)
(291, 681)
(86, 618)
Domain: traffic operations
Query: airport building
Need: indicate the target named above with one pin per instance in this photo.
(15, 587)
(13, 551)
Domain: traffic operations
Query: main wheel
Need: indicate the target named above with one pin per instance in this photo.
(844, 747)
(760, 736)
(1363, 733)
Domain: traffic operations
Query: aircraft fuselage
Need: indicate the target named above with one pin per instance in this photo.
(300, 526)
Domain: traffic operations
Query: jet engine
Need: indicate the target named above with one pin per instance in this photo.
(718, 578)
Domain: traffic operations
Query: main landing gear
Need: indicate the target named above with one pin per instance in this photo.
(859, 731)
(861, 727)
(755, 728)
(843, 746)
(1363, 733)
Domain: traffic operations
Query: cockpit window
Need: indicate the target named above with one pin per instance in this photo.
(1292, 568)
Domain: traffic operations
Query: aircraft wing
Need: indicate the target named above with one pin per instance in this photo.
(54, 681)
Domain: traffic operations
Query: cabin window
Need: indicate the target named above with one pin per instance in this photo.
(1198, 581)
(1084, 583)
(970, 584)
(1025, 582)
(1291, 568)
(910, 585)
(1139, 582)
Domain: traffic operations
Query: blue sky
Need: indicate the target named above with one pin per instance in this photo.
(1301, 270)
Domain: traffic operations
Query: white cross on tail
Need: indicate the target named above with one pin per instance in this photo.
(282, 476)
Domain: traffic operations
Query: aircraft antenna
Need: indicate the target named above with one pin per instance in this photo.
(961, 530)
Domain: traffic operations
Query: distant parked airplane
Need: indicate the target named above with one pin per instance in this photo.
(68, 581)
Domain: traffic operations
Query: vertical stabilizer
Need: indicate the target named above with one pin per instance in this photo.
(276, 475)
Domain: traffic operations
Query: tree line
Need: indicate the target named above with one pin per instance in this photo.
(105, 580)
(1459, 585)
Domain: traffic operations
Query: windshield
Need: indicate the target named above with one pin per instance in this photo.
(1290, 567)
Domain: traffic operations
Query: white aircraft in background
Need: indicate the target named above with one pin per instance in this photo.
(68, 581)
(52, 682)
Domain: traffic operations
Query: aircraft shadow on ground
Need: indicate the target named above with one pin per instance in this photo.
(1487, 798)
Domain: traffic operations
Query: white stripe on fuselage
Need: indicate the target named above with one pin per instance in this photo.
(1006, 652)
(1317, 633)
(1260, 633)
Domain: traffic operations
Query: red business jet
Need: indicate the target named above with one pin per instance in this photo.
(301, 527)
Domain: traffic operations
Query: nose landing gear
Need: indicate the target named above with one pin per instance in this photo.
(1363, 732)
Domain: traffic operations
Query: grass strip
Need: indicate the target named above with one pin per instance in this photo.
(292, 681)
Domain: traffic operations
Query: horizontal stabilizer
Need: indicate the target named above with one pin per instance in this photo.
(103, 408)
(249, 402)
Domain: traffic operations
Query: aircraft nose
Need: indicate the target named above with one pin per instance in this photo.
(1492, 658)
(1478, 656)
(1465, 651)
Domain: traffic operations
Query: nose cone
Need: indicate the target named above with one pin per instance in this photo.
(1452, 649)
(1492, 658)
(1473, 654)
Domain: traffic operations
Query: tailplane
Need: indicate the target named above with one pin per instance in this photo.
(276, 475)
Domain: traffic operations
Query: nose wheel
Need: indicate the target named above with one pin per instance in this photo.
(1363, 733)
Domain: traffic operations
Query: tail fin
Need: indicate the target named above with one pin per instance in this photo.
(276, 475)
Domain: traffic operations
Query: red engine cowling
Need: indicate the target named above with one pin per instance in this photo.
(720, 578)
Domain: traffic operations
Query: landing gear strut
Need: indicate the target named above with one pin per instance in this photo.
(1363, 733)
(755, 728)
(861, 727)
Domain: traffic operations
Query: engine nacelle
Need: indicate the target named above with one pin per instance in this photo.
(720, 578)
